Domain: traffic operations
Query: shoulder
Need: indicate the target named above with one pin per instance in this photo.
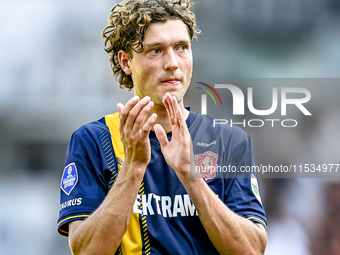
(91, 129)
(89, 135)
(203, 125)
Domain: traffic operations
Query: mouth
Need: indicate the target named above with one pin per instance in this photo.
(171, 81)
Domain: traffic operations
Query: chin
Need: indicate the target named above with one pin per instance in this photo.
(174, 91)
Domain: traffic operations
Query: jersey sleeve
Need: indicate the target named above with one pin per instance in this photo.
(84, 182)
(242, 195)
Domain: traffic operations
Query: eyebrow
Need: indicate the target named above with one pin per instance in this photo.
(152, 44)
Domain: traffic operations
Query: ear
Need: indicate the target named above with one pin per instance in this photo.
(124, 62)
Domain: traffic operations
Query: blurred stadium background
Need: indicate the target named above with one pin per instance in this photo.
(55, 76)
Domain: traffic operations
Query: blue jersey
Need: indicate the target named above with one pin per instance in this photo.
(164, 219)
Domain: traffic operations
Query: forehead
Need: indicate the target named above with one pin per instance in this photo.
(167, 31)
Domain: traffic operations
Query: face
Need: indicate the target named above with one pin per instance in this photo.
(165, 65)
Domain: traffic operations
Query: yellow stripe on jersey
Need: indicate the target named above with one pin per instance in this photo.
(72, 217)
(263, 223)
(112, 121)
(132, 240)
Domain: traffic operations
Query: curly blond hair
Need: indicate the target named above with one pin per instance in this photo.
(128, 22)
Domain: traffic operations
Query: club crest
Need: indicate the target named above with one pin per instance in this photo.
(207, 162)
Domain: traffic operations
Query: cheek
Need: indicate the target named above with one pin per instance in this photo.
(152, 74)
(188, 67)
(144, 78)
(148, 69)
(188, 62)
(140, 74)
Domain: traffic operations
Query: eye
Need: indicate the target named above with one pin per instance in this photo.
(155, 51)
(182, 47)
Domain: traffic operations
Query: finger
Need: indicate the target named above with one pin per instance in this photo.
(140, 119)
(180, 126)
(175, 108)
(148, 125)
(172, 106)
(124, 110)
(180, 117)
(161, 135)
(166, 103)
(134, 112)
(120, 106)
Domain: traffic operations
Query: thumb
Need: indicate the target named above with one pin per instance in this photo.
(161, 135)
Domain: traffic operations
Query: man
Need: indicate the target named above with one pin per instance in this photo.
(128, 185)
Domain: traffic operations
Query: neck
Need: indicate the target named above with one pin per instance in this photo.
(163, 118)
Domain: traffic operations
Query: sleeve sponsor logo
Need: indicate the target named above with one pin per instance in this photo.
(72, 202)
(69, 179)
(255, 187)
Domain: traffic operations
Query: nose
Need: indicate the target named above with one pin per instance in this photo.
(170, 62)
